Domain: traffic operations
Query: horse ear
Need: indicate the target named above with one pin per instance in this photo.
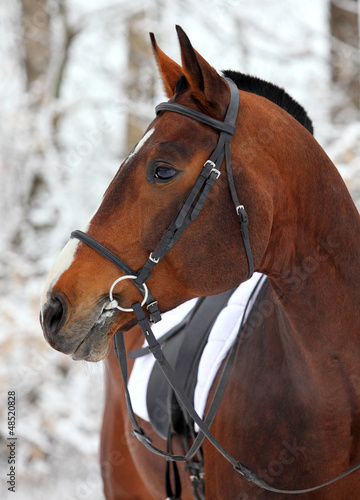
(170, 71)
(204, 80)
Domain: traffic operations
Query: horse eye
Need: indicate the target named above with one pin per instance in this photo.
(164, 173)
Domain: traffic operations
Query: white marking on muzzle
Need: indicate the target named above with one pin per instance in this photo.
(63, 262)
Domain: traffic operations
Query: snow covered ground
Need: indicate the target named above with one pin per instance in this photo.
(59, 402)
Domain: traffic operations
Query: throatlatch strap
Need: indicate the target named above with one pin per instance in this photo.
(241, 212)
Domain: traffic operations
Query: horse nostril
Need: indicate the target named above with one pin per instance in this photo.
(53, 315)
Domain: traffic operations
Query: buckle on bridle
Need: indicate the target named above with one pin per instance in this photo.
(218, 173)
(239, 208)
(155, 261)
(152, 305)
(213, 168)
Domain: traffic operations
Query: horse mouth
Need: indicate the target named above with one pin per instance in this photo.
(95, 345)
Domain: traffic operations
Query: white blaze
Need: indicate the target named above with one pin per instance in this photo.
(140, 144)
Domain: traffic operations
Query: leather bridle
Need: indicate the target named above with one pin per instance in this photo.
(188, 213)
(191, 206)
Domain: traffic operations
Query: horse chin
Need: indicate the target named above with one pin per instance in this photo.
(96, 343)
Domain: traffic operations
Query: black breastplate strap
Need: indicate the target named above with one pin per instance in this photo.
(183, 353)
(204, 425)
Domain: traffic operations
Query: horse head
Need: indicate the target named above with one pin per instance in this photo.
(145, 195)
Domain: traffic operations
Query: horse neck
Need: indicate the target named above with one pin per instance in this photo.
(313, 255)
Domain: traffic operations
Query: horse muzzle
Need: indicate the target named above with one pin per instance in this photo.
(86, 338)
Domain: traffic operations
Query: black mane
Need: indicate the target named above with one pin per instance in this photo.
(273, 93)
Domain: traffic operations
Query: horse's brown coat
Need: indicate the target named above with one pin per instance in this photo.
(291, 411)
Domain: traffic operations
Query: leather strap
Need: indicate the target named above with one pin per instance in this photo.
(196, 115)
(183, 354)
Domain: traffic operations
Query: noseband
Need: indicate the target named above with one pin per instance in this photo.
(187, 213)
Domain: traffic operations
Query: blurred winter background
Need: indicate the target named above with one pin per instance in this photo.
(78, 86)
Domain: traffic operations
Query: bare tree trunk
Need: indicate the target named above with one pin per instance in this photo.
(345, 64)
(45, 55)
(36, 32)
(141, 81)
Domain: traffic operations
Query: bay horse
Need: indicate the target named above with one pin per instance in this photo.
(291, 409)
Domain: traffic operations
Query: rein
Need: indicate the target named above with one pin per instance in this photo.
(187, 213)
